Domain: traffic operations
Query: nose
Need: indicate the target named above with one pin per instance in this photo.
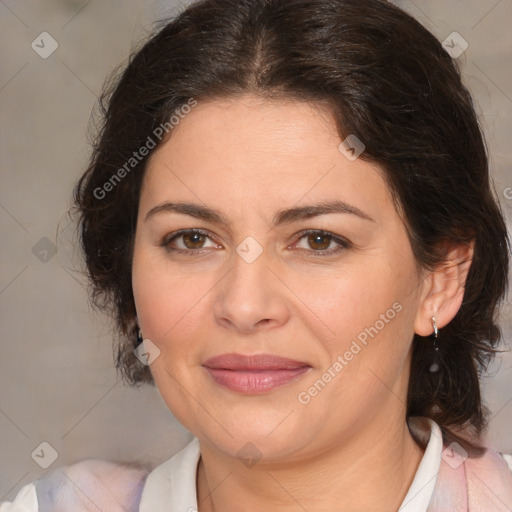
(251, 297)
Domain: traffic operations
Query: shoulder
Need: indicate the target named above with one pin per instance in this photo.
(489, 480)
(93, 484)
(88, 485)
(492, 461)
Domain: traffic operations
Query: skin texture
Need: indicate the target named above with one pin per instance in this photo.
(349, 447)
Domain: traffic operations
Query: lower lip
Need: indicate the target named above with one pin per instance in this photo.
(255, 382)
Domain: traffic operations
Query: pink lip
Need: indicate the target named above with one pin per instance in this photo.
(254, 374)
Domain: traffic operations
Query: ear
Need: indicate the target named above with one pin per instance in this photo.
(443, 290)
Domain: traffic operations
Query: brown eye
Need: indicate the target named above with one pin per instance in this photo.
(193, 240)
(319, 241)
(188, 241)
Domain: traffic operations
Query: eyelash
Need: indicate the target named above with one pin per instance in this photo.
(343, 243)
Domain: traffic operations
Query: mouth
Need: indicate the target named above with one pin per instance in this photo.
(254, 374)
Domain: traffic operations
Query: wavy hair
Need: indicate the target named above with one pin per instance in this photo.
(386, 79)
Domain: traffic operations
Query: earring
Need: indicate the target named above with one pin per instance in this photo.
(139, 338)
(434, 367)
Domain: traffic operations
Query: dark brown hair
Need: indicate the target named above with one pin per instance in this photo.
(387, 80)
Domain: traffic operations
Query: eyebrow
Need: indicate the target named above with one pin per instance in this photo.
(286, 216)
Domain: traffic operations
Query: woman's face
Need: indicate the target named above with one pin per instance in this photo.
(273, 272)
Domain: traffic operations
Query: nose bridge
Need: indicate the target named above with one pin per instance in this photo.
(248, 294)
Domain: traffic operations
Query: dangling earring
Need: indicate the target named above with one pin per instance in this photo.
(434, 367)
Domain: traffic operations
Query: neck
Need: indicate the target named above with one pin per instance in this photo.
(369, 471)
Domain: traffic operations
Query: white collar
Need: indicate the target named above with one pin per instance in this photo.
(420, 492)
(173, 483)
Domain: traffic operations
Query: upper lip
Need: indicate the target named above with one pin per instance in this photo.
(252, 362)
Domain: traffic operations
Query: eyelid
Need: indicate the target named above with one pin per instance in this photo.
(167, 239)
(342, 242)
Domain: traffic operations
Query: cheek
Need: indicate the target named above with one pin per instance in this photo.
(159, 298)
(368, 316)
(171, 304)
(169, 308)
(359, 298)
(367, 359)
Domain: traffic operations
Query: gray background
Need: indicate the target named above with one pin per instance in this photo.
(57, 379)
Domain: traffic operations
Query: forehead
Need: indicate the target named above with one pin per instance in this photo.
(251, 150)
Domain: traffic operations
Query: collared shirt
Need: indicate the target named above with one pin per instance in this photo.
(172, 484)
(174, 481)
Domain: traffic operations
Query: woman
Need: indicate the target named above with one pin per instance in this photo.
(289, 213)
